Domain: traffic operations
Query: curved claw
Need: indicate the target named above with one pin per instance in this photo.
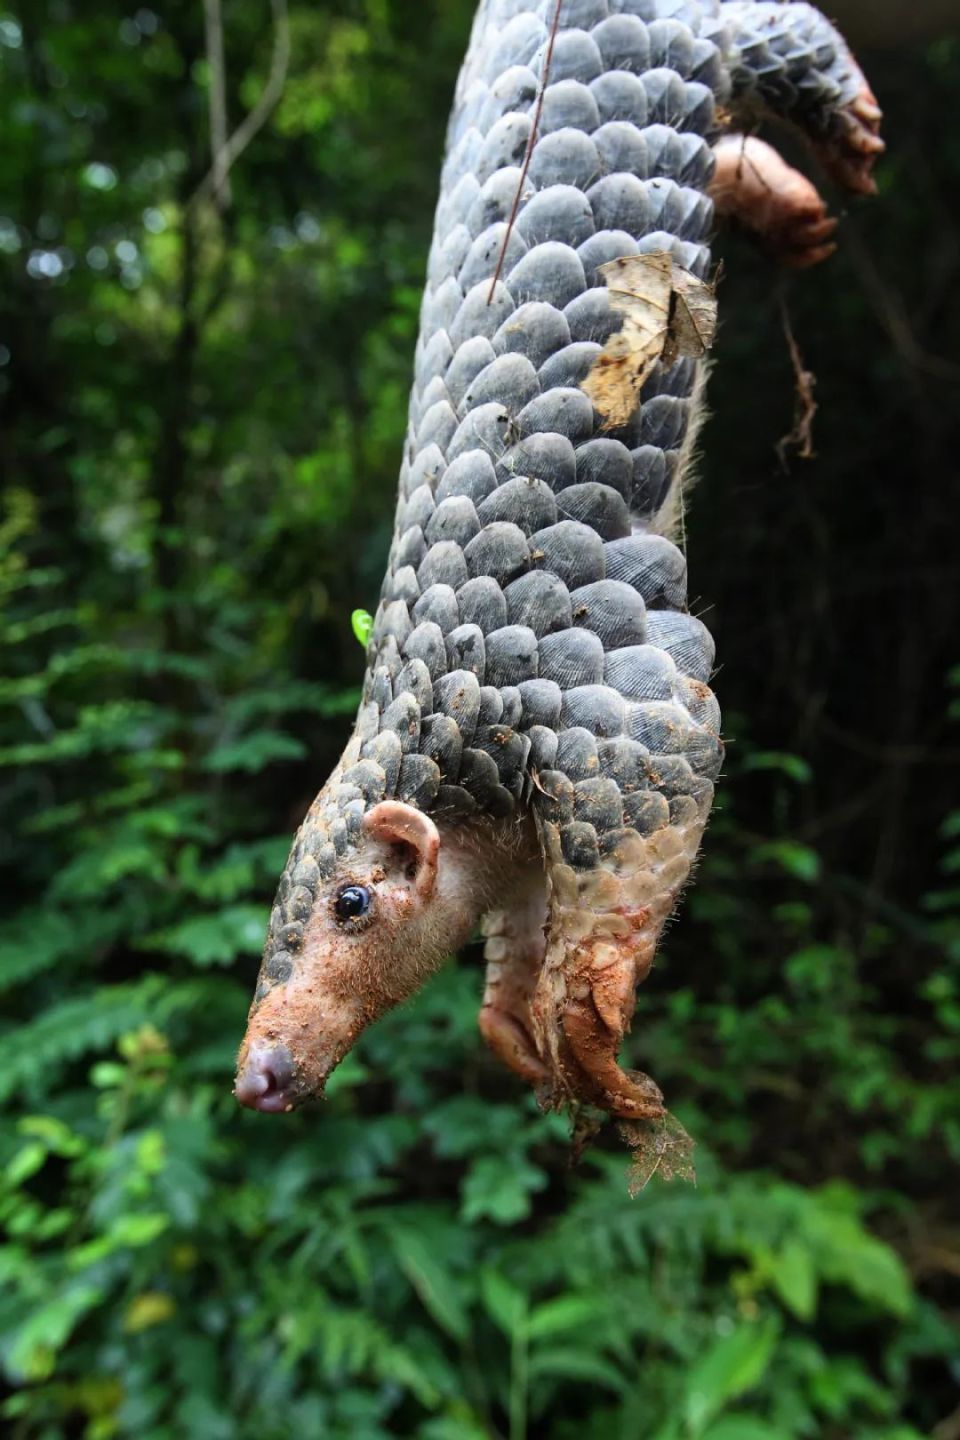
(808, 243)
(512, 1044)
(850, 156)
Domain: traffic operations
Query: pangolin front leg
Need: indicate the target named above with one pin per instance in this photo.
(514, 951)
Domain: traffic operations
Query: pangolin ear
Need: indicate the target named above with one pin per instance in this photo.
(394, 823)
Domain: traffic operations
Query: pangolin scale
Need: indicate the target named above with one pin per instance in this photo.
(537, 744)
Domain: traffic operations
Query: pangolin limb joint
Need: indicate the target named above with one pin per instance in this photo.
(537, 744)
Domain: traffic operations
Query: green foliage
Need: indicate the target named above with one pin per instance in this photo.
(361, 622)
(204, 413)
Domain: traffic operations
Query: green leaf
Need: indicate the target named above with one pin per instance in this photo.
(215, 939)
(129, 1232)
(504, 1303)
(139, 1229)
(25, 1163)
(43, 1334)
(33, 943)
(567, 1312)
(56, 1136)
(349, 1073)
(742, 1427)
(273, 697)
(571, 1364)
(846, 1253)
(65, 1031)
(102, 867)
(499, 1188)
(235, 871)
(792, 766)
(797, 860)
(731, 1367)
(255, 752)
(119, 726)
(795, 1279)
(462, 1426)
(435, 1285)
(361, 622)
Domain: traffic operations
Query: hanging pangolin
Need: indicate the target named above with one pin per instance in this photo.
(537, 744)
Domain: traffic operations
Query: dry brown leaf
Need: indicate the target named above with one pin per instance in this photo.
(660, 1147)
(639, 288)
(693, 323)
(667, 312)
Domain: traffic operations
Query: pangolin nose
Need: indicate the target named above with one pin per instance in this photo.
(267, 1080)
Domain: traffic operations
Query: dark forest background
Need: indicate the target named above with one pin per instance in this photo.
(202, 411)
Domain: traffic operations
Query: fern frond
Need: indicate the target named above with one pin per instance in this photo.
(73, 1028)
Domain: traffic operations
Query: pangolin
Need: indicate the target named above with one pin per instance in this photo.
(537, 744)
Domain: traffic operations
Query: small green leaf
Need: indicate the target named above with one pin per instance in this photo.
(139, 1229)
(792, 766)
(107, 1074)
(55, 1135)
(361, 622)
(798, 860)
(26, 1162)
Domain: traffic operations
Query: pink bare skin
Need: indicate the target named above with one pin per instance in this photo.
(754, 185)
(428, 886)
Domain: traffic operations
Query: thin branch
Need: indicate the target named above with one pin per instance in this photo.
(547, 60)
(248, 128)
(220, 182)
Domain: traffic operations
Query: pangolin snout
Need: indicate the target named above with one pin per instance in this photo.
(267, 1079)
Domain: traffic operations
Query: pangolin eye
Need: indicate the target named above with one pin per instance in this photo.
(352, 902)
